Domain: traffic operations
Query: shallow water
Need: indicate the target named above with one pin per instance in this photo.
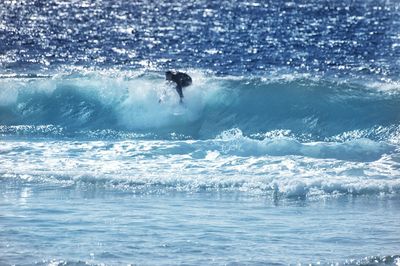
(75, 225)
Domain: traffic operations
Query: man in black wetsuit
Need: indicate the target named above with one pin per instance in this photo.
(181, 79)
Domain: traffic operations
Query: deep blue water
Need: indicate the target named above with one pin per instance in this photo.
(286, 149)
(227, 37)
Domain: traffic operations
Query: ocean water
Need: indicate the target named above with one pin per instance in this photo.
(285, 151)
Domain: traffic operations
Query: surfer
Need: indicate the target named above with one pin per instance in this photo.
(181, 79)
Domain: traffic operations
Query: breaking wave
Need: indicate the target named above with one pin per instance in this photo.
(124, 103)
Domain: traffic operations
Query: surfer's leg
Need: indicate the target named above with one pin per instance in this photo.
(179, 90)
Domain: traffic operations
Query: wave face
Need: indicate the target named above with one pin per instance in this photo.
(127, 104)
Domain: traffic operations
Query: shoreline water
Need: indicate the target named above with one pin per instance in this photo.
(192, 228)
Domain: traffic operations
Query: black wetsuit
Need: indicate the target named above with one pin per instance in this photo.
(181, 79)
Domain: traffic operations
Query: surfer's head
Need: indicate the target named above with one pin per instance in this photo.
(168, 75)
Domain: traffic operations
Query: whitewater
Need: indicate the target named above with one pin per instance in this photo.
(285, 151)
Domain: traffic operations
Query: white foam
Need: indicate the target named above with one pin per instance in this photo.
(388, 87)
(8, 94)
(11, 88)
(159, 166)
(140, 106)
(233, 142)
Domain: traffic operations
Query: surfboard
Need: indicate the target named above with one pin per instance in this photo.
(181, 109)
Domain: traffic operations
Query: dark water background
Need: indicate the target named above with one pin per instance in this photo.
(350, 38)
